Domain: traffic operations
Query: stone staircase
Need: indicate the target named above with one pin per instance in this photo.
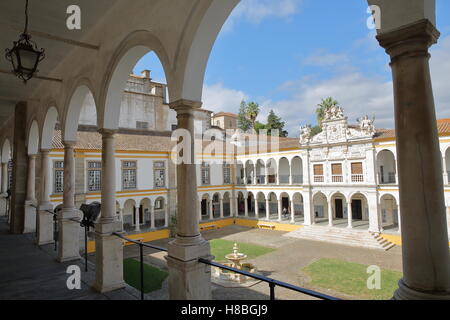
(349, 237)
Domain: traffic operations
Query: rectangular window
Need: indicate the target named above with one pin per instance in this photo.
(58, 170)
(129, 174)
(336, 173)
(226, 173)
(142, 125)
(318, 173)
(94, 176)
(159, 173)
(357, 172)
(206, 171)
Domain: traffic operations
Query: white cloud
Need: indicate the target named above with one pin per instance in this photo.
(440, 70)
(255, 11)
(357, 93)
(217, 98)
(324, 59)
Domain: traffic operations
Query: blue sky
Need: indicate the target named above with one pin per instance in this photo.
(288, 54)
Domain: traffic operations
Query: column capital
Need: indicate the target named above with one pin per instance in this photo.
(69, 144)
(45, 151)
(183, 106)
(32, 156)
(411, 40)
(107, 133)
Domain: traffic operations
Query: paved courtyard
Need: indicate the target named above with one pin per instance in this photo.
(283, 264)
(31, 272)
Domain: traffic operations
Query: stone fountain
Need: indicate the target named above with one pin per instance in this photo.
(228, 278)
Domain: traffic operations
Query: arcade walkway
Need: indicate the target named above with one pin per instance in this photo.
(28, 272)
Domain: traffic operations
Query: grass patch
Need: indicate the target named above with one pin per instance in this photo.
(351, 278)
(220, 248)
(153, 277)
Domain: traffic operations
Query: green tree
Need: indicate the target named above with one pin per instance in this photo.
(323, 107)
(315, 130)
(259, 126)
(243, 122)
(274, 123)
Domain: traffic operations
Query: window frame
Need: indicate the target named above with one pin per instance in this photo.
(156, 169)
(55, 175)
(88, 169)
(126, 168)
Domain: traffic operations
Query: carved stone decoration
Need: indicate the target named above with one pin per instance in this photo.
(367, 126)
(334, 113)
(305, 134)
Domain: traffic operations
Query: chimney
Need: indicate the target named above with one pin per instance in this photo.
(146, 74)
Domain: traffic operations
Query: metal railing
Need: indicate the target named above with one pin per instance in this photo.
(272, 282)
(141, 254)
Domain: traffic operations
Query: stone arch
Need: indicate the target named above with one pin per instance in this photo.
(6, 151)
(320, 207)
(33, 139)
(297, 170)
(216, 205)
(273, 205)
(251, 204)
(339, 206)
(386, 167)
(129, 52)
(359, 206)
(284, 170)
(160, 212)
(249, 172)
(260, 172)
(240, 203)
(145, 209)
(271, 170)
(204, 206)
(199, 49)
(389, 212)
(297, 207)
(129, 211)
(73, 108)
(226, 204)
(48, 130)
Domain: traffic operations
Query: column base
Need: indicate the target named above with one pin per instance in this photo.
(406, 293)
(30, 217)
(109, 258)
(189, 279)
(44, 225)
(69, 235)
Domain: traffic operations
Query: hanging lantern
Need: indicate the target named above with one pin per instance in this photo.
(25, 56)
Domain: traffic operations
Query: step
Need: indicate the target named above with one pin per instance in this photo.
(351, 237)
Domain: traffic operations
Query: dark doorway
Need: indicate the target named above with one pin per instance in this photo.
(204, 207)
(285, 203)
(357, 209)
(339, 208)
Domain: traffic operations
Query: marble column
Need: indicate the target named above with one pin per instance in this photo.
(246, 207)
(292, 211)
(444, 168)
(211, 211)
(152, 217)
(44, 222)
(30, 202)
(268, 209)
(166, 216)
(137, 219)
(349, 214)
(188, 279)
(69, 229)
(330, 213)
(256, 208)
(308, 209)
(425, 248)
(221, 208)
(280, 210)
(109, 248)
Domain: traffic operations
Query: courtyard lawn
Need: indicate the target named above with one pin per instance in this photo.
(351, 278)
(153, 277)
(220, 248)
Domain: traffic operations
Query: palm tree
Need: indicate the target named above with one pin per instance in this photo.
(323, 107)
(252, 112)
